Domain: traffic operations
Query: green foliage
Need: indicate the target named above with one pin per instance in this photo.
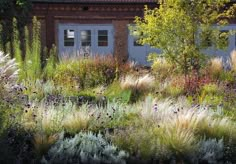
(227, 77)
(36, 50)
(114, 91)
(175, 27)
(9, 9)
(144, 143)
(161, 68)
(50, 63)
(30, 65)
(17, 54)
(84, 148)
(85, 73)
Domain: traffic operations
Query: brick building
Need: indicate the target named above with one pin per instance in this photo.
(98, 26)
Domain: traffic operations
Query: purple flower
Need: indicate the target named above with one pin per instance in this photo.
(155, 107)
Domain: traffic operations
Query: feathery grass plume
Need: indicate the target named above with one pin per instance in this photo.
(215, 66)
(45, 117)
(42, 142)
(54, 117)
(141, 83)
(233, 60)
(75, 121)
(200, 119)
(8, 74)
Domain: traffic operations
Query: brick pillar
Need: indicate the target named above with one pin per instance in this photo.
(121, 40)
(50, 31)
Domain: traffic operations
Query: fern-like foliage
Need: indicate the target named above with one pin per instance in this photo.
(84, 148)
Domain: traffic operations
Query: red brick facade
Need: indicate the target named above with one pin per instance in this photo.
(117, 14)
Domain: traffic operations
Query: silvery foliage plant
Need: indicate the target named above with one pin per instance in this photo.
(85, 148)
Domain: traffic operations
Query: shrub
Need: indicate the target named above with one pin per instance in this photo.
(210, 88)
(84, 148)
(161, 67)
(210, 151)
(86, 73)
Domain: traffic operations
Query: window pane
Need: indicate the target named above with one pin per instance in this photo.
(102, 32)
(136, 36)
(85, 37)
(69, 37)
(206, 39)
(136, 41)
(224, 39)
(102, 38)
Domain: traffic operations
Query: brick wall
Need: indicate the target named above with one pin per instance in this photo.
(120, 15)
(121, 39)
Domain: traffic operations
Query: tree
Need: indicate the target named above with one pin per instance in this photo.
(178, 28)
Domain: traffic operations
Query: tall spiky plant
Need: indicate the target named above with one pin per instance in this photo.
(27, 62)
(17, 54)
(36, 49)
(50, 63)
(32, 62)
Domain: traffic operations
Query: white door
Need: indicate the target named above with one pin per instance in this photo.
(86, 39)
(104, 40)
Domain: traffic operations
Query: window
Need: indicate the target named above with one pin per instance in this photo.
(136, 42)
(223, 39)
(85, 37)
(69, 38)
(102, 38)
(206, 39)
(136, 36)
